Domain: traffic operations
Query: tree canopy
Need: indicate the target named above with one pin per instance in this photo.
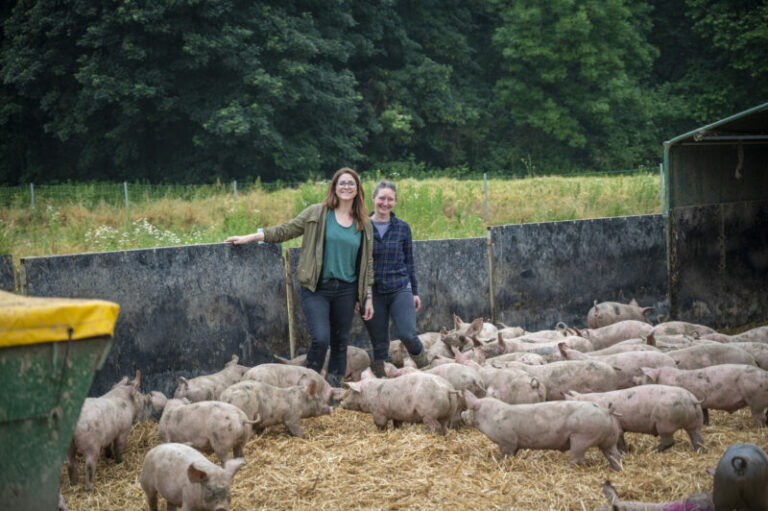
(192, 91)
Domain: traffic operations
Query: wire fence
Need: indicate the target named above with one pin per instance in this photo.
(125, 194)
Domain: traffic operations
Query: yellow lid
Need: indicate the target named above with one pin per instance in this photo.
(29, 320)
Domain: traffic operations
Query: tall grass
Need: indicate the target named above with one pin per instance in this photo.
(80, 218)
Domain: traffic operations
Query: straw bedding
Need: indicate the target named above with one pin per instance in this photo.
(345, 462)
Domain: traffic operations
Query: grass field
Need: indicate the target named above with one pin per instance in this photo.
(69, 219)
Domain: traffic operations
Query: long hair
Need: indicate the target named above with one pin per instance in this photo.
(359, 210)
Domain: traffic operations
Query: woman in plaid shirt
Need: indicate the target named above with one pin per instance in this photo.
(395, 289)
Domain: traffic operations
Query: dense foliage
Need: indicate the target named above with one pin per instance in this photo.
(193, 90)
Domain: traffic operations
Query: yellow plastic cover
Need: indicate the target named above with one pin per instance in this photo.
(29, 320)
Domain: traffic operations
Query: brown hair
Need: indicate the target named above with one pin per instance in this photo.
(359, 211)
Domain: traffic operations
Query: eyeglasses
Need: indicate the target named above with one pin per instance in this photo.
(346, 184)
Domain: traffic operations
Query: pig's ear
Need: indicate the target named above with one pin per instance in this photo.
(571, 395)
(182, 381)
(233, 362)
(650, 372)
(634, 302)
(457, 321)
(475, 327)
(354, 385)
(196, 475)
(232, 466)
(309, 384)
(280, 360)
(158, 400)
(472, 401)
(646, 310)
(136, 381)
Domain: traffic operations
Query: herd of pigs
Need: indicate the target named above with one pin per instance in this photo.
(565, 389)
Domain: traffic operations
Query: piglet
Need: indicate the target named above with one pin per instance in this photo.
(607, 313)
(705, 355)
(728, 387)
(281, 375)
(208, 387)
(412, 397)
(104, 422)
(609, 335)
(560, 425)
(653, 410)
(210, 426)
(184, 477)
(268, 405)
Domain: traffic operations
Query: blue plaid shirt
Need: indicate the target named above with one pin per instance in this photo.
(393, 258)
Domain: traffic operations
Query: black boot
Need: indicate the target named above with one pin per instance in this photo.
(422, 359)
(378, 369)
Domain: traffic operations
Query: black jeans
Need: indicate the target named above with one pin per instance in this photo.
(329, 312)
(397, 305)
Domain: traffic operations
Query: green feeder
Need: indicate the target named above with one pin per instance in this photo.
(50, 349)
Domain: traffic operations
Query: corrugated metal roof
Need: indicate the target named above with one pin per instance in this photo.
(751, 124)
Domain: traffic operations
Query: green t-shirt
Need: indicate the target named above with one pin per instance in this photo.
(340, 252)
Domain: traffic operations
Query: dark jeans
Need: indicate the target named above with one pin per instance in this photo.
(397, 305)
(329, 311)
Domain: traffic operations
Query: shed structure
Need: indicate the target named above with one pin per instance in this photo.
(716, 206)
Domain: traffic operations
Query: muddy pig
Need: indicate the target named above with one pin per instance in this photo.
(653, 410)
(607, 313)
(682, 327)
(579, 375)
(281, 375)
(560, 425)
(705, 355)
(728, 387)
(412, 397)
(357, 361)
(513, 386)
(208, 386)
(628, 365)
(269, 405)
(104, 422)
(609, 335)
(210, 426)
(184, 477)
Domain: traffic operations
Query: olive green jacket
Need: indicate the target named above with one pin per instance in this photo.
(311, 223)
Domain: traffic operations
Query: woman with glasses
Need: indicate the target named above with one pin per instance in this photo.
(395, 293)
(335, 268)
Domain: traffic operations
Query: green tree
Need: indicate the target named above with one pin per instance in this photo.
(571, 81)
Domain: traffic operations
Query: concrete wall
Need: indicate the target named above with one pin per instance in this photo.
(453, 279)
(183, 310)
(186, 310)
(718, 260)
(550, 272)
(7, 276)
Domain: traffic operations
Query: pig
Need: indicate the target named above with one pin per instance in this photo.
(357, 360)
(209, 426)
(413, 397)
(484, 330)
(682, 327)
(628, 365)
(513, 386)
(561, 425)
(184, 477)
(104, 422)
(653, 410)
(606, 313)
(460, 377)
(269, 405)
(624, 347)
(728, 387)
(609, 335)
(491, 348)
(695, 502)
(208, 387)
(548, 349)
(280, 375)
(758, 350)
(533, 359)
(579, 375)
(705, 355)
(510, 331)
(759, 334)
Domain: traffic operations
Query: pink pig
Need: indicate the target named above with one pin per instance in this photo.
(559, 425)
(184, 477)
(412, 397)
(208, 386)
(104, 422)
